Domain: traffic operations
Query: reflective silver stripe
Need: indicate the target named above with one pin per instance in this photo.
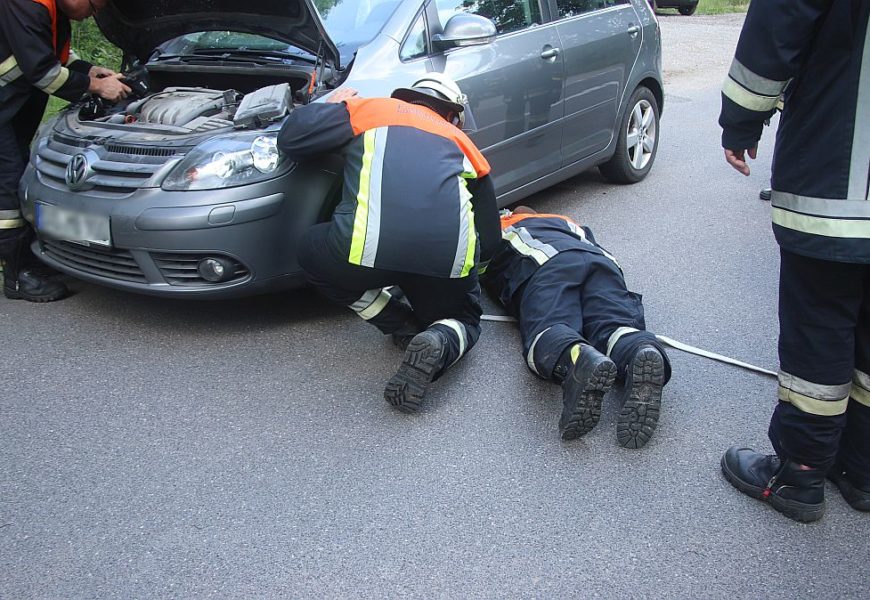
(8, 64)
(56, 83)
(614, 337)
(756, 83)
(371, 303)
(530, 357)
(11, 223)
(748, 100)
(49, 77)
(814, 398)
(859, 170)
(837, 228)
(861, 388)
(459, 329)
(464, 221)
(525, 244)
(10, 76)
(373, 227)
(10, 214)
(823, 207)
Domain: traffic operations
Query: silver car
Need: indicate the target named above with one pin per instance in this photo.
(180, 191)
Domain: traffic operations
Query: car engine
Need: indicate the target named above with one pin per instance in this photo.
(185, 110)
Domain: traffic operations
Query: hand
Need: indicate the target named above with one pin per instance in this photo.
(342, 94)
(109, 87)
(737, 158)
(100, 72)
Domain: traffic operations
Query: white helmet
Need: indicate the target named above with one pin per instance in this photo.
(438, 92)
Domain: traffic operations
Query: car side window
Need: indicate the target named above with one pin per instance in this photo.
(572, 8)
(415, 44)
(508, 15)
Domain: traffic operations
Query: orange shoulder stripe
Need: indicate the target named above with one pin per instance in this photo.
(515, 218)
(371, 113)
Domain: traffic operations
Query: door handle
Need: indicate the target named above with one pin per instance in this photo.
(550, 53)
(633, 30)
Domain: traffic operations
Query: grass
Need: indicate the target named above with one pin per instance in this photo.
(713, 7)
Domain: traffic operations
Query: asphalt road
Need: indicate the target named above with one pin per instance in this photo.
(242, 449)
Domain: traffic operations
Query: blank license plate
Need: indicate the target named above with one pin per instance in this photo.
(73, 226)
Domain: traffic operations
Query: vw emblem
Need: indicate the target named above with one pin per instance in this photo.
(77, 171)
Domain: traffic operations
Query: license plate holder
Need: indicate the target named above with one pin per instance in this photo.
(73, 226)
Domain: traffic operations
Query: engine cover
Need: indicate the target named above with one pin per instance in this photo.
(179, 106)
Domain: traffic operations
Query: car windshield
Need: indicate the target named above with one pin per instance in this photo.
(350, 24)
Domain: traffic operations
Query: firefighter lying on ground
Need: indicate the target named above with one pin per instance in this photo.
(416, 197)
(580, 326)
(35, 62)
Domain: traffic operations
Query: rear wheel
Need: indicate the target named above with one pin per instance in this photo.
(688, 11)
(638, 140)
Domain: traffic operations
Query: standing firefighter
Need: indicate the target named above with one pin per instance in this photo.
(35, 62)
(580, 325)
(821, 219)
(416, 196)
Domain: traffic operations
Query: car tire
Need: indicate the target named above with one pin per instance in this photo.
(688, 11)
(638, 139)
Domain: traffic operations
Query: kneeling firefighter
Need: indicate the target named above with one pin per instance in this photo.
(418, 213)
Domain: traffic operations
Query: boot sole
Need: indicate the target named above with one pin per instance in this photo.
(639, 415)
(405, 390)
(798, 511)
(856, 498)
(16, 295)
(584, 415)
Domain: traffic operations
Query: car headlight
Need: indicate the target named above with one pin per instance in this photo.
(229, 161)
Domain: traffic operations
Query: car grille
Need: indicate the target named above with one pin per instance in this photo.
(120, 170)
(181, 268)
(105, 262)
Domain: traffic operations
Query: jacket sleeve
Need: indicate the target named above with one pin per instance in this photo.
(486, 219)
(315, 129)
(27, 28)
(775, 36)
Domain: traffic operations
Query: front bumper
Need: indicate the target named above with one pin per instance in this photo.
(159, 237)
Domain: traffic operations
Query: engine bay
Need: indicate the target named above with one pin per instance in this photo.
(189, 110)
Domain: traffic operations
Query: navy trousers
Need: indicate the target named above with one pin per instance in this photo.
(824, 353)
(449, 305)
(579, 296)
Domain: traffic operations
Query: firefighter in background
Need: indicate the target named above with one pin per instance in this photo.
(418, 211)
(580, 326)
(821, 219)
(36, 62)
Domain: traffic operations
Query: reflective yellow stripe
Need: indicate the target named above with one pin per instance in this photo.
(11, 223)
(513, 238)
(58, 81)
(747, 99)
(813, 406)
(361, 217)
(472, 240)
(838, 228)
(575, 353)
(7, 65)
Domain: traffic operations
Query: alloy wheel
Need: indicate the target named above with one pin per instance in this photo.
(641, 135)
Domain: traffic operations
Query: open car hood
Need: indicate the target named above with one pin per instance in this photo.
(139, 26)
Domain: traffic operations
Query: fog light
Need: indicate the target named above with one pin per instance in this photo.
(216, 270)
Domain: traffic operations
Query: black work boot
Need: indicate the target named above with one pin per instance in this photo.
(797, 493)
(589, 378)
(27, 285)
(640, 399)
(424, 358)
(855, 492)
(404, 334)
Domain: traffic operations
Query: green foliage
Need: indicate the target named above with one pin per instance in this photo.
(718, 7)
(88, 42)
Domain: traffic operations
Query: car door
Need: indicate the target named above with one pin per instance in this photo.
(600, 41)
(514, 86)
